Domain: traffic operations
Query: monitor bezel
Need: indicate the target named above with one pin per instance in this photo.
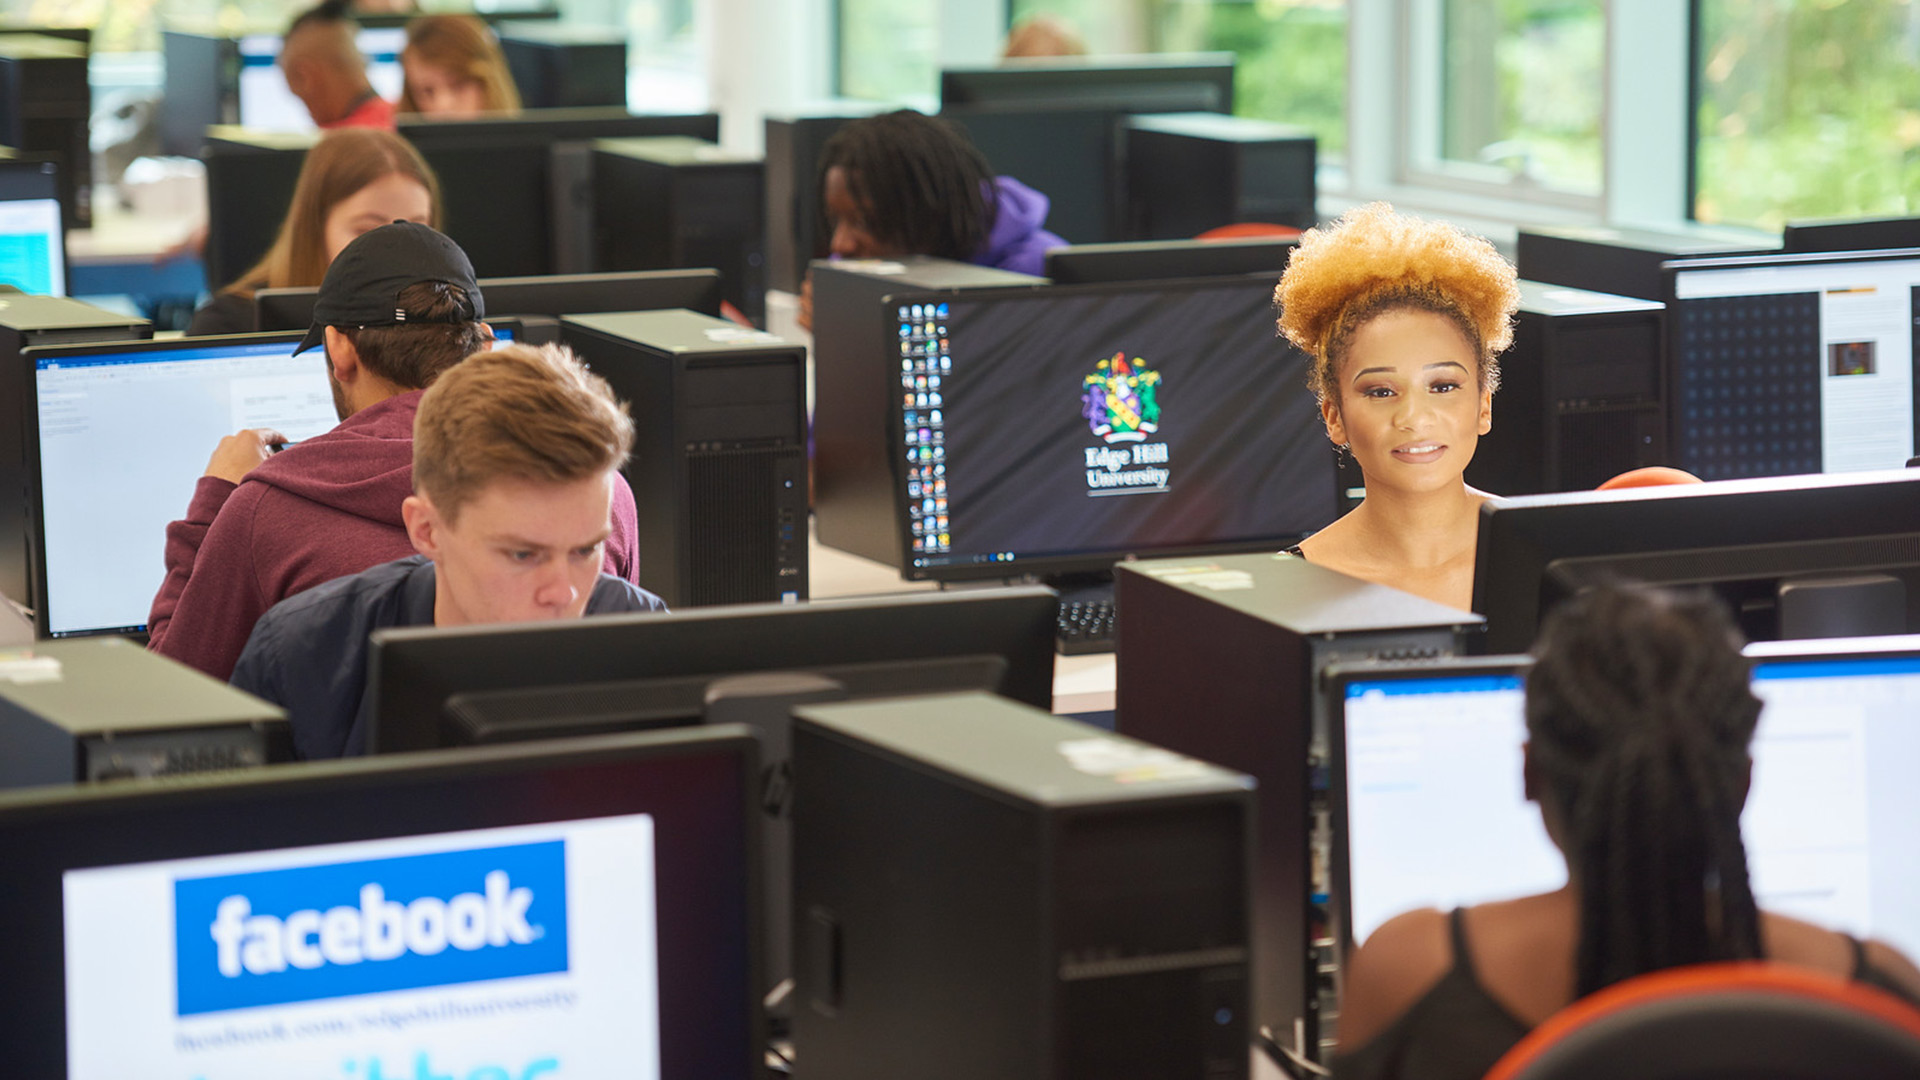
(1335, 680)
(145, 802)
(1670, 272)
(306, 295)
(30, 437)
(423, 707)
(1513, 541)
(1079, 562)
(1215, 68)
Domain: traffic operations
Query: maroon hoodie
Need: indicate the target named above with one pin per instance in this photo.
(319, 510)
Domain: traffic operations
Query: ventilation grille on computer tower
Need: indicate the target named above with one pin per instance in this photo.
(733, 531)
(1598, 445)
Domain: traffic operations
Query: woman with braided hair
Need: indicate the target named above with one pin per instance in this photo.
(1403, 321)
(1639, 717)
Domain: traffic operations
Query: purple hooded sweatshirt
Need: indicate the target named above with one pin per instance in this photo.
(1019, 240)
(319, 510)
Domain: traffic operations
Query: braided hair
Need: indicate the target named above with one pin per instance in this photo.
(1639, 714)
(923, 186)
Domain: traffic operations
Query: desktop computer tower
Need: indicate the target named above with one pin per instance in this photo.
(1219, 658)
(250, 181)
(796, 224)
(856, 362)
(557, 67)
(1190, 172)
(1624, 262)
(719, 465)
(1580, 399)
(26, 321)
(984, 890)
(105, 709)
(673, 201)
(45, 106)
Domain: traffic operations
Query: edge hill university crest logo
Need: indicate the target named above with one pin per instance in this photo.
(1122, 400)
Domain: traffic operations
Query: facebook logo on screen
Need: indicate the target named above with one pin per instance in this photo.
(339, 929)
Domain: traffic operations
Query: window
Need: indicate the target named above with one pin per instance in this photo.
(889, 50)
(1507, 92)
(1806, 109)
(1291, 55)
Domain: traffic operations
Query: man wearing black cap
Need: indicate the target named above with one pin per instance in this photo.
(397, 307)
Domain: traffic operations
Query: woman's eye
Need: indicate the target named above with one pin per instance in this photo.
(1377, 392)
(1445, 387)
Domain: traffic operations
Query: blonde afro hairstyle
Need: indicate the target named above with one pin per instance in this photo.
(1372, 261)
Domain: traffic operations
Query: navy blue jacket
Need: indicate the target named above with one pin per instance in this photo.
(308, 653)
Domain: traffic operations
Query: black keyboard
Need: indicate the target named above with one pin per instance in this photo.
(1085, 626)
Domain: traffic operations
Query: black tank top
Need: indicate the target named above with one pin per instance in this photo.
(1457, 1031)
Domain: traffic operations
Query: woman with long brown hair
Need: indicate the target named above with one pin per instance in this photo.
(454, 70)
(354, 181)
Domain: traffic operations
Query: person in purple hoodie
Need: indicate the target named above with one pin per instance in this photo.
(396, 308)
(904, 183)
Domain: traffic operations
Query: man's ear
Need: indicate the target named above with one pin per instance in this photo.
(425, 528)
(342, 357)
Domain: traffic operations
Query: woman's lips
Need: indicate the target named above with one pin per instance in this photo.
(1419, 453)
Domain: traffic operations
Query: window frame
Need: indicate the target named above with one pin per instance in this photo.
(1646, 120)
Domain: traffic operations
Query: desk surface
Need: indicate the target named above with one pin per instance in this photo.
(1080, 683)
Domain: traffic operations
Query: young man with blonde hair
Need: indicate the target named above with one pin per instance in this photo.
(516, 457)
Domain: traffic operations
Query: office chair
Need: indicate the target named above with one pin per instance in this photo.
(1721, 1021)
(1649, 476)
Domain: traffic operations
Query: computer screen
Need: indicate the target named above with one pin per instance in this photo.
(1787, 364)
(120, 435)
(1435, 815)
(576, 909)
(1060, 429)
(267, 105)
(1746, 539)
(452, 686)
(33, 244)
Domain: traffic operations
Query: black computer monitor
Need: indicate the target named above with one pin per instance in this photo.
(1063, 428)
(33, 241)
(515, 192)
(1743, 538)
(1785, 364)
(1851, 234)
(1057, 124)
(118, 434)
(1429, 808)
(551, 295)
(444, 687)
(588, 908)
(1159, 260)
(1157, 82)
(557, 125)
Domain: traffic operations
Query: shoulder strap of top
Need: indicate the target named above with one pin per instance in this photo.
(1859, 957)
(1457, 936)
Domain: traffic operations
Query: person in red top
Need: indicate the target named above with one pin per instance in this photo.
(324, 69)
(396, 308)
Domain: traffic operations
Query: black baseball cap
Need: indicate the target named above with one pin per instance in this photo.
(363, 284)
